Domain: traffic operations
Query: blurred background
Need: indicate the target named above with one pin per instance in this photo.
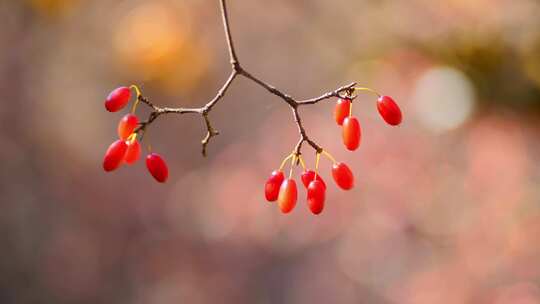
(445, 208)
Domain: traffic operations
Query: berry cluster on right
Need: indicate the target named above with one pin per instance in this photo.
(351, 131)
(284, 190)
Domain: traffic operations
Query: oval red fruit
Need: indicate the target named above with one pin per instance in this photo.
(308, 176)
(389, 110)
(133, 152)
(114, 155)
(271, 188)
(288, 194)
(315, 196)
(127, 125)
(351, 133)
(117, 99)
(342, 110)
(343, 176)
(157, 167)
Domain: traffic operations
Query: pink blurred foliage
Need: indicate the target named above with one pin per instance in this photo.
(437, 216)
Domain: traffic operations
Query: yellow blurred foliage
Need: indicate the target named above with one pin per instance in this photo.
(155, 43)
(52, 8)
(531, 64)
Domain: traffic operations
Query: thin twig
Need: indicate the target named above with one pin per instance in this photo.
(232, 52)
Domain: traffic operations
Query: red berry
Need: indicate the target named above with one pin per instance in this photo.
(133, 152)
(342, 110)
(117, 99)
(315, 196)
(114, 155)
(389, 110)
(288, 195)
(157, 167)
(309, 175)
(127, 125)
(351, 133)
(271, 189)
(343, 176)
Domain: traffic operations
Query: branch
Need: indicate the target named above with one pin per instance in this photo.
(237, 69)
(232, 52)
(348, 90)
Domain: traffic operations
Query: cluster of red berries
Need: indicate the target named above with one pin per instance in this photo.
(285, 192)
(127, 148)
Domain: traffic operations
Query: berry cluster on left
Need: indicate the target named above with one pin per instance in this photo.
(127, 149)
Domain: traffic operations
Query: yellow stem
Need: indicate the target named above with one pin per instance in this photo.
(329, 156)
(317, 159)
(284, 161)
(302, 162)
(132, 138)
(292, 165)
(368, 90)
(138, 92)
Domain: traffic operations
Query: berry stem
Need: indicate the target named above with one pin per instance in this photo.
(317, 159)
(329, 156)
(138, 93)
(285, 161)
(132, 138)
(292, 165)
(367, 90)
(302, 162)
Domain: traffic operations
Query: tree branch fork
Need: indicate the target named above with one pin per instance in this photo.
(238, 70)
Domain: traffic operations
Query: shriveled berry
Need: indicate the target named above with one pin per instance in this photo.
(133, 152)
(343, 176)
(315, 196)
(117, 99)
(342, 110)
(127, 125)
(271, 188)
(157, 167)
(288, 194)
(351, 133)
(308, 176)
(389, 110)
(114, 155)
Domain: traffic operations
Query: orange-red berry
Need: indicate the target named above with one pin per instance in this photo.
(389, 110)
(342, 110)
(271, 188)
(315, 196)
(114, 155)
(351, 133)
(157, 167)
(117, 99)
(343, 176)
(127, 125)
(308, 176)
(133, 152)
(288, 194)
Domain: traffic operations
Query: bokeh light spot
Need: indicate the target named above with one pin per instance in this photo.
(444, 98)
